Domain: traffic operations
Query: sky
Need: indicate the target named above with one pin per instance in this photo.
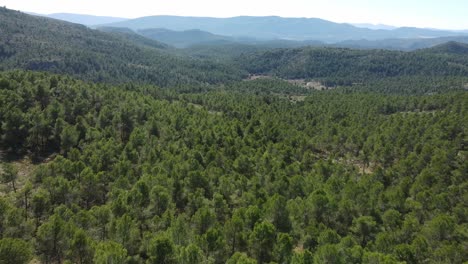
(442, 14)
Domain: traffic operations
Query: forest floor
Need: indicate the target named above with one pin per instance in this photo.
(25, 169)
(25, 166)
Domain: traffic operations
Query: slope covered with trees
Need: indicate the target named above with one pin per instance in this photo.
(43, 44)
(233, 175)
(356, 66)
(99, 165)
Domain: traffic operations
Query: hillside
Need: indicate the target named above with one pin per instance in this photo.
(38, 43)
(451, 47)
(403, 44)
(354, 65)
(182, 39)
(277, 28)
(134, 37)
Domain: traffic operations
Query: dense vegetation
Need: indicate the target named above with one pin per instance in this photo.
(145, 174)
(37, 43)
(358, 65)
(99, 165)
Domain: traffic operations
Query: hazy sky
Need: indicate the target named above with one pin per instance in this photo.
(445, 14)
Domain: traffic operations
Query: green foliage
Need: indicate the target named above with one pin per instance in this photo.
(9, 174)
(345, 66)
(15, 251)
(263, 241)
(240, 258)
(109, 252)
(161, 250)
(139, 174)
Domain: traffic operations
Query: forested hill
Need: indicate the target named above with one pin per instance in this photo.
(451, 47)
(38, 43)
(134, 37)
(358, 65)
(146, 175)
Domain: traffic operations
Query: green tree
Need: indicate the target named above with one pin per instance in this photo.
(191, 254)
(364, 227)
(328, 254)
(161, 250)
(240, 258)
(69, 138)
(284, 248)
(40, 204)
(262, 241)
(110, 252)
(9, 175)
(80, 247)
(52, 240)
(279, 213)
(15, 251)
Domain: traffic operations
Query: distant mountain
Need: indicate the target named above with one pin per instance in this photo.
(182, 39)
(44, 44)
(134, 37)
(268, 28)
(203, 40)
(87, 20)
(374, 26)
(195, 37)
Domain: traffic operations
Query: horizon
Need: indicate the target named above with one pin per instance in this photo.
(429, 14)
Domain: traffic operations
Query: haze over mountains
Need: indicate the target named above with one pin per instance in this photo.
(278, 28)
(374, 26)
(88, 20)
(273, 32)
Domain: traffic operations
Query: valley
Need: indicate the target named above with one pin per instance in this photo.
(134, 144)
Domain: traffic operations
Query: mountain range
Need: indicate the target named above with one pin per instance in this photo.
(271, 31)
(190, 38)
(273, 27)
(87, 20)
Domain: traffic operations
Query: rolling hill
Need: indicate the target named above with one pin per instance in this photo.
(404, 44)
(182, 39)
(451, 47)
(38, 43)
(134, 37)
(358, 65)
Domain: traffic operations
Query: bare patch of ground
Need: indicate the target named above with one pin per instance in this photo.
(256, 77)
(359, 165)
(299, 248)
(198, 106)
(25, 167)
(313, 84)
(293, 98)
